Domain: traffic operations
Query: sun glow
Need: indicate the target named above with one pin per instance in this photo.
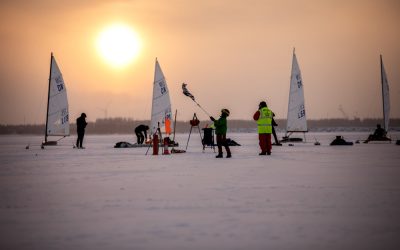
(118, 44)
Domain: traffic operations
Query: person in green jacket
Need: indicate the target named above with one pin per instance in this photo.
(220, 130)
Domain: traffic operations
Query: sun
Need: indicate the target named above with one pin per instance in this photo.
(118, 44)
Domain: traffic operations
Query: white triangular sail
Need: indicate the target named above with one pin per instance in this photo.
(385, 97)
(57, 121)
(161, 107)
(296, 116)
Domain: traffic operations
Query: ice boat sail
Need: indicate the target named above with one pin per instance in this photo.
(385, 97)
(161, 106)
(296, 116)
(57, 115)
(380, 134)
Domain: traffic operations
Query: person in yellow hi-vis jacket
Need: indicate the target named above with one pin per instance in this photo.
(263, 116)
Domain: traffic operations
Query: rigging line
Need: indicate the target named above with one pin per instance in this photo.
(61, 138)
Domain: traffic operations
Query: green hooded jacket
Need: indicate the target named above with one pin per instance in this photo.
(220, 126)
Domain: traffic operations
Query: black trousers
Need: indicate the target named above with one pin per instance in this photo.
(221, 141)
(79, 141)
(140, 137)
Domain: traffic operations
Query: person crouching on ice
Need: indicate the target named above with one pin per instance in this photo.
(220, 130)
(263, 116)
(141, 133)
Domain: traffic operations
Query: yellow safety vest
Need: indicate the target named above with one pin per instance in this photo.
(264, 122)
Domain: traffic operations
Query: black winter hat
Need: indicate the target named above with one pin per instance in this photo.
(225, 111)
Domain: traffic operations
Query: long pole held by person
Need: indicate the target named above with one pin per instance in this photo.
(187, 93)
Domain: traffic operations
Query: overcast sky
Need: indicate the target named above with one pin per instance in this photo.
(232, 54)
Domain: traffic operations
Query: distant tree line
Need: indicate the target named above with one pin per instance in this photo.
(127, 126)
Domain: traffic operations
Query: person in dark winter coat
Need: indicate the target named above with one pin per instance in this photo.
(379, 132)
(141, 133)
(378, 135)
(80, 129)
(220, 131)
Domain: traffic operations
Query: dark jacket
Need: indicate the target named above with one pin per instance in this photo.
(379, 132)
(81, 124)
(142, 128)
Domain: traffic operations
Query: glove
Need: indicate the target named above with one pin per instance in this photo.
(212, 118)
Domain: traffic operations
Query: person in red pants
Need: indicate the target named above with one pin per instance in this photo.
(263, 117)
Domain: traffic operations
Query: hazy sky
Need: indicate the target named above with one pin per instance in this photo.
(232, 54)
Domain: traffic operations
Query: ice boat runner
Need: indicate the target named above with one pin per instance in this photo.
(57, 114)
(380, 134)
(296, 116)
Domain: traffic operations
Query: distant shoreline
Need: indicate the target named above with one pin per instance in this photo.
(126, 126)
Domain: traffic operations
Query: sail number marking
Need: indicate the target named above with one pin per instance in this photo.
(65, 116)
(60, 83)
(163, 88)
(302, 112)
(64, 119)
(299, 83)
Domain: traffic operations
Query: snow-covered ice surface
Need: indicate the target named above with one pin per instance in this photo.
(300, 197)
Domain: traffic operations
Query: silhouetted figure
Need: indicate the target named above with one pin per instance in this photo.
(379, 132)
(141, 133)
(80, 129)
(340, 141)
(220, 131)
(263, 117)
(378, 135)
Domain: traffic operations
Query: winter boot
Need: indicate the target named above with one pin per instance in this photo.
(219, 156)
(228, 155)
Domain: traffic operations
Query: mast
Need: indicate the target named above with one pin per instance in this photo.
(48, 97)
(152, 100)
(176, 113)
